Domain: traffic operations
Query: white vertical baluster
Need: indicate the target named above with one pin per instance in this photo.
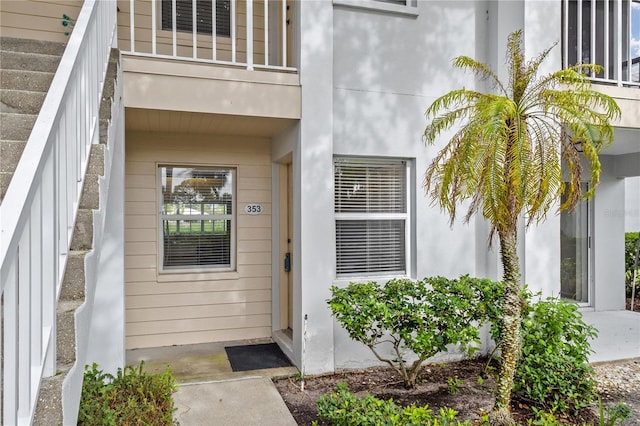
(249, 31)
(607, 74)
(618, 31)
(194, 27)
(154, 30)
(24, 323)
(132, 25)
(627, 37)
(284, 33)
(579, 32)
(49, 258)
(35, 273)
(233, 31)
(565, 34)
(214, 30)
(174, 28)
(592, 54)
(10, 349)
(266, 32)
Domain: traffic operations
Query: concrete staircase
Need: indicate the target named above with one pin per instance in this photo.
(26, 71)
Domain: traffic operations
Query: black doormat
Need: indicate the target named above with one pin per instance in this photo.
(256, 357)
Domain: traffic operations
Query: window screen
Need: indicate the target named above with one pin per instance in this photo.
(204, 16)
(197, 217)
(371, 216)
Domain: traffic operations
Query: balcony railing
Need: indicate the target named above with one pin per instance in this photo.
(253, 34)
(602, 32)
(38, 212)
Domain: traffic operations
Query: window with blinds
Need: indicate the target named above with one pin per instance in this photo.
(204, 16)
(371, 216)
(197, 217)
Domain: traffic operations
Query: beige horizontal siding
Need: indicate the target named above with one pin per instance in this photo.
(183, 307)
(188, 312)
(40, 20)
(195, 337)
(143, 34)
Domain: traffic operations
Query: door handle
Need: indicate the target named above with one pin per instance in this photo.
(287, 262)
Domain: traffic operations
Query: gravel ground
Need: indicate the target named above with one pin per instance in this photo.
(620, 382)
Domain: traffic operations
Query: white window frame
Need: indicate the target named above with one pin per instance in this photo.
(231, 217)
(409, 8)
(360, 216)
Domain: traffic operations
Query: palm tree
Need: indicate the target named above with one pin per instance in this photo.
(507, 159)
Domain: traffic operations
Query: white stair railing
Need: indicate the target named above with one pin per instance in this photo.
(38, 212)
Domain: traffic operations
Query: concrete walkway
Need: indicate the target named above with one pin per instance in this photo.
(245, 401)
(618, 335)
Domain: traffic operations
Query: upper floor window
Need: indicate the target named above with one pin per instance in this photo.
(197, 217)
(204, 16)
(371, 206)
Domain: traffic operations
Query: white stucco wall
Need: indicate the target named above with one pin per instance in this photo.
(608, 240)
(388, 68)
(632, 204)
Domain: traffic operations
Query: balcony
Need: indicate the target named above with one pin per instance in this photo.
(251, 34)
(604, 32)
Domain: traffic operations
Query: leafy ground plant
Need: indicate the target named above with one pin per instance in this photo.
(421, 317)
(554, 369)
(344, 408)
(132, 397)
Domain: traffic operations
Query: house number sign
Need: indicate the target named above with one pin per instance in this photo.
(253, 209)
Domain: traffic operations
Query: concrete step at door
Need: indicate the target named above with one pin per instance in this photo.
(21, 101)
(37, 81)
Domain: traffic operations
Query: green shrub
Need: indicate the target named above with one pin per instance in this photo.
(553, 369)
(342, 408)
(418, 316)
(630, 242)
(132, 397)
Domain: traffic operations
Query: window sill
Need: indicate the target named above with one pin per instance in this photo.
(171, 276)
(409, 10)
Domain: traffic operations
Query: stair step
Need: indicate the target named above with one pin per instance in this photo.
(73, 283)
(66, 331)
(21, 101)
(10, 153)
(29, 61)
(16, 127)
(49, 406)
(31, 46)
(83, 230)
(39, 81)
(5, 178)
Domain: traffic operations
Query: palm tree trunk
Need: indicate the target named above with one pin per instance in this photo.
(510, 330)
